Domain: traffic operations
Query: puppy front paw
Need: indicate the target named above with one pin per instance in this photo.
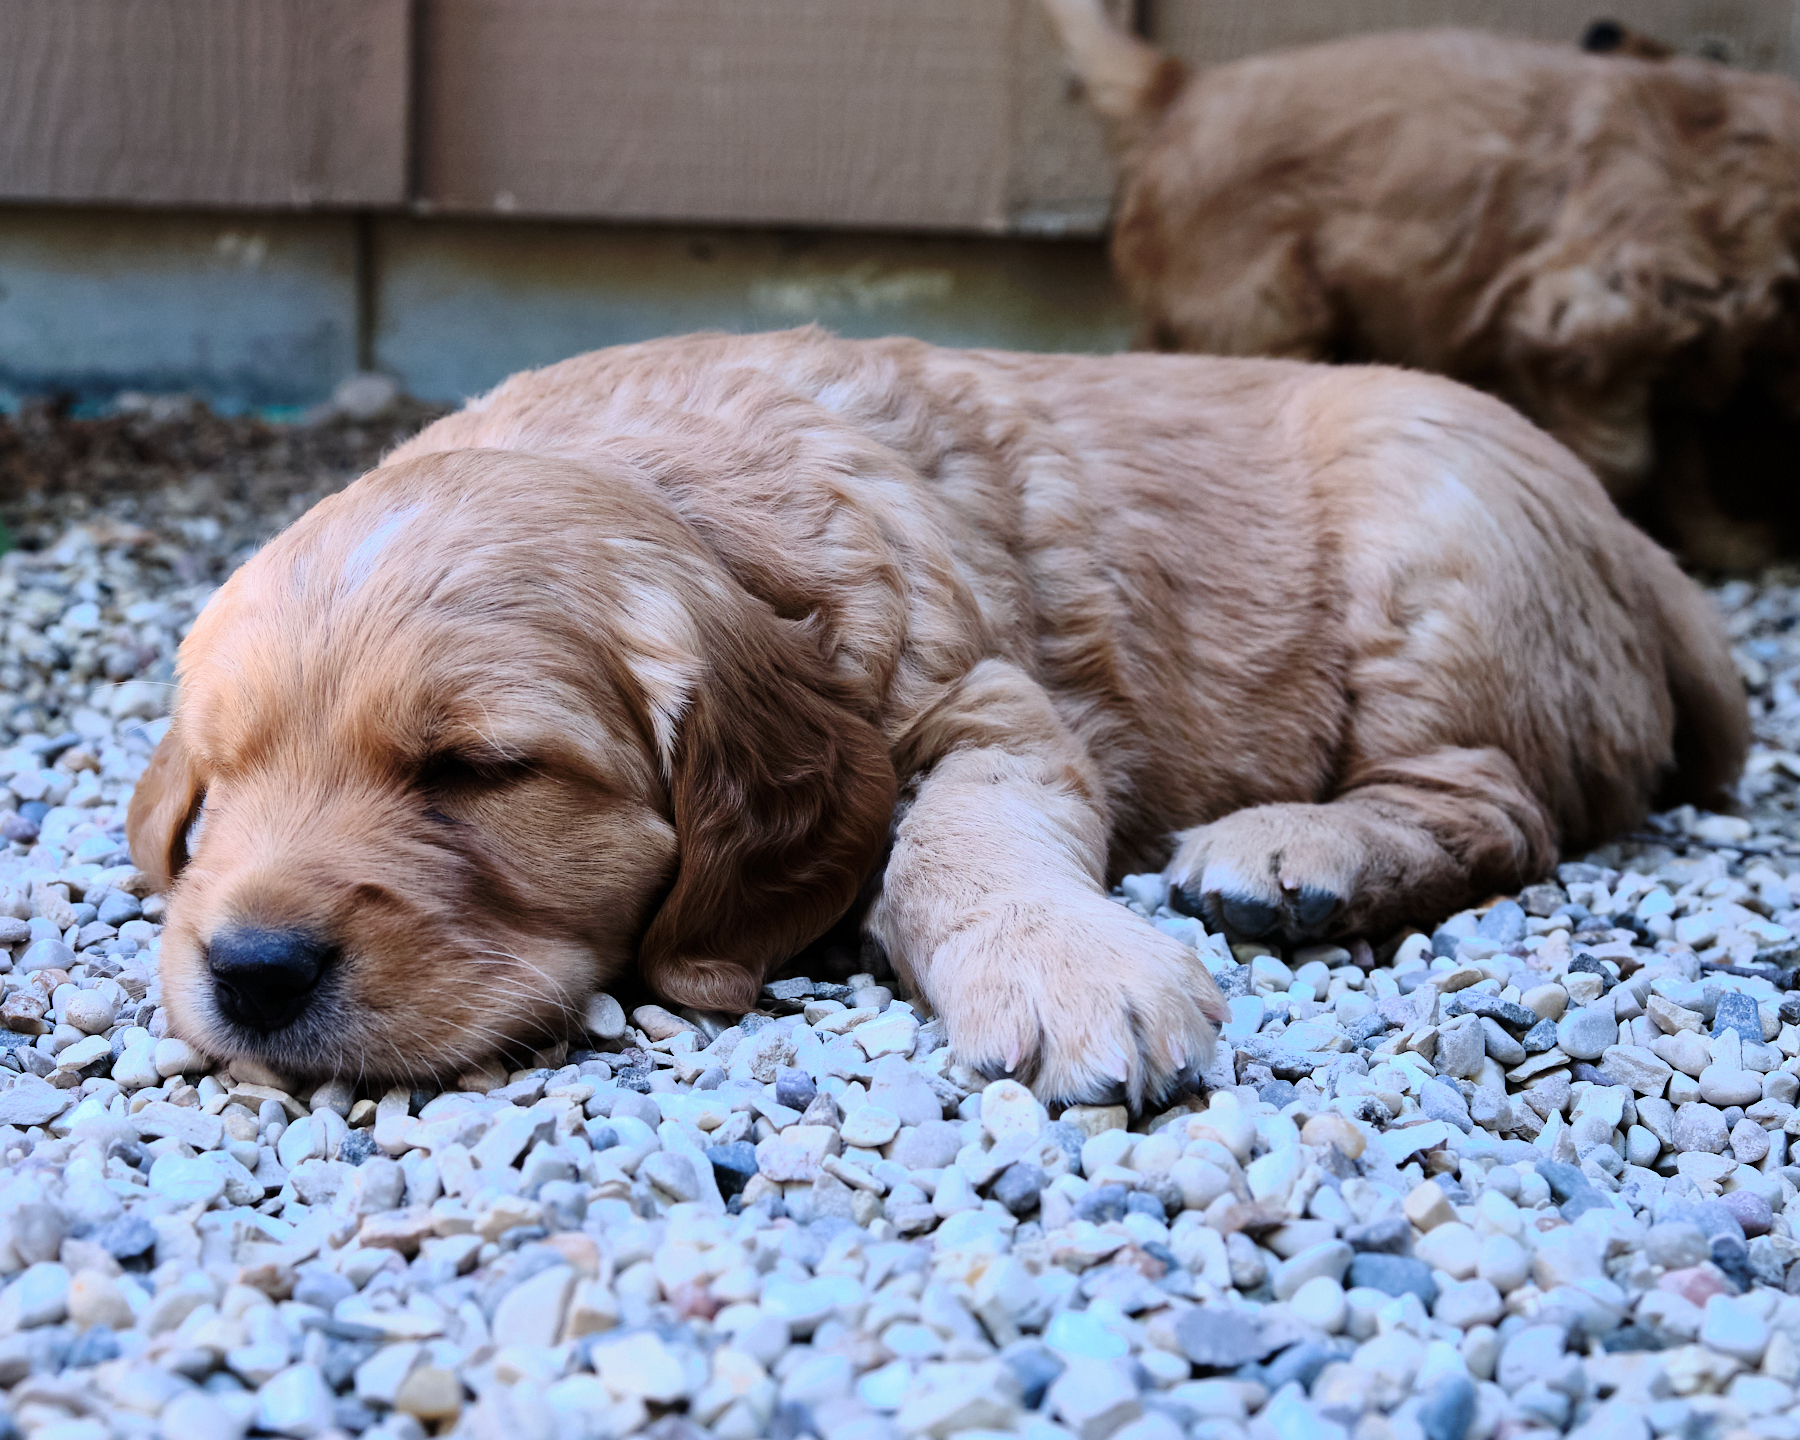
(1083, 1001)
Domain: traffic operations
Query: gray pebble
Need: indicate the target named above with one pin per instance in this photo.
(117, 907)
(733, 1165)
(1297, 1365)
(1540, 1037)
(95, 1345)
(44, 955)
(1393, 1275)
(1751, 1211)
(1035, 1366)
(1738, 1012)
(1391, 1235)
(1102, 1204)
(1441, 1100)
(633, 1105)
(1504, 924)
(1501, 1046)
(1215, 1340)
(1067, 1138)
(1018, 1187)
(1514, 1017)
(127, 1238)
(1448, 1408)
(1249, 1268)
(357, 1147)
(316, 1285)
(794, 1088)
(1585, 1033)
(37, 1232)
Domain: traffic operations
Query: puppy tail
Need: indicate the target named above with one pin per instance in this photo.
(1712, 721)
(1128, 82)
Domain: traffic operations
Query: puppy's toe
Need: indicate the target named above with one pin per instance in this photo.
(1244, 899)
(1247, 914)
(1187, 900)
(1314, 907)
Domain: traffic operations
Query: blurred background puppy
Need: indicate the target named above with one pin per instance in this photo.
(1605, 240)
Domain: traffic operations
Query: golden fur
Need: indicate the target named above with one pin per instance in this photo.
(648, 657)
(1606, 242)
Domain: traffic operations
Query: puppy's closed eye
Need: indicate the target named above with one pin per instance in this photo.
(455, 772)
(449, 777)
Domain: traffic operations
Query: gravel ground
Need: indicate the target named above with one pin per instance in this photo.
(1525, 1175)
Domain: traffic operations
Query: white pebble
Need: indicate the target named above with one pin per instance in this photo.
(1320, 1301)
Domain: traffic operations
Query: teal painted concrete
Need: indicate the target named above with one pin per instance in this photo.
(245, 310)
(271, 311)
(462, 304)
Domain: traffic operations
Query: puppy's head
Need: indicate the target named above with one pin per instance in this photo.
(468, 740)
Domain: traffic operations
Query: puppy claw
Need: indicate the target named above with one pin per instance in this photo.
(1014, 1053)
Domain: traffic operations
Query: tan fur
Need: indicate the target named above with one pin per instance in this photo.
(630, 659)
(1582, 235)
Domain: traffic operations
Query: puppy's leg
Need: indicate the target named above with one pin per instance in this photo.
(1409, 839)
(994, 908)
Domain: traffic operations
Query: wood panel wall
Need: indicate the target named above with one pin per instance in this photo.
(928, 114)
(951, 115)
(284, 103)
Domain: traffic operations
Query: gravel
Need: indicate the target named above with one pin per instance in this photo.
(1527, 1171)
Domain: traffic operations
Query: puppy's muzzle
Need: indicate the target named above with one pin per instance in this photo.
(263, 978)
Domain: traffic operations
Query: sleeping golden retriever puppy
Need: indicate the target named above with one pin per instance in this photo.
(656, 656)
(1580, 234)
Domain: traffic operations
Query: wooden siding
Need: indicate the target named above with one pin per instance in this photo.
(945, 115)
(288, 103)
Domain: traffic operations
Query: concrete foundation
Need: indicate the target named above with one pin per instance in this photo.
(270, 311)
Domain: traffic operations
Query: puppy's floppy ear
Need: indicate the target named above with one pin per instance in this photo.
(783, 796)
(163, 808)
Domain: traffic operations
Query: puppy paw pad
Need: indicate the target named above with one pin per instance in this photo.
(1247, 915)
(1314, 906)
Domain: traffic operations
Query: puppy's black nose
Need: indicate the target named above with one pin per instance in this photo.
(262, 978)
